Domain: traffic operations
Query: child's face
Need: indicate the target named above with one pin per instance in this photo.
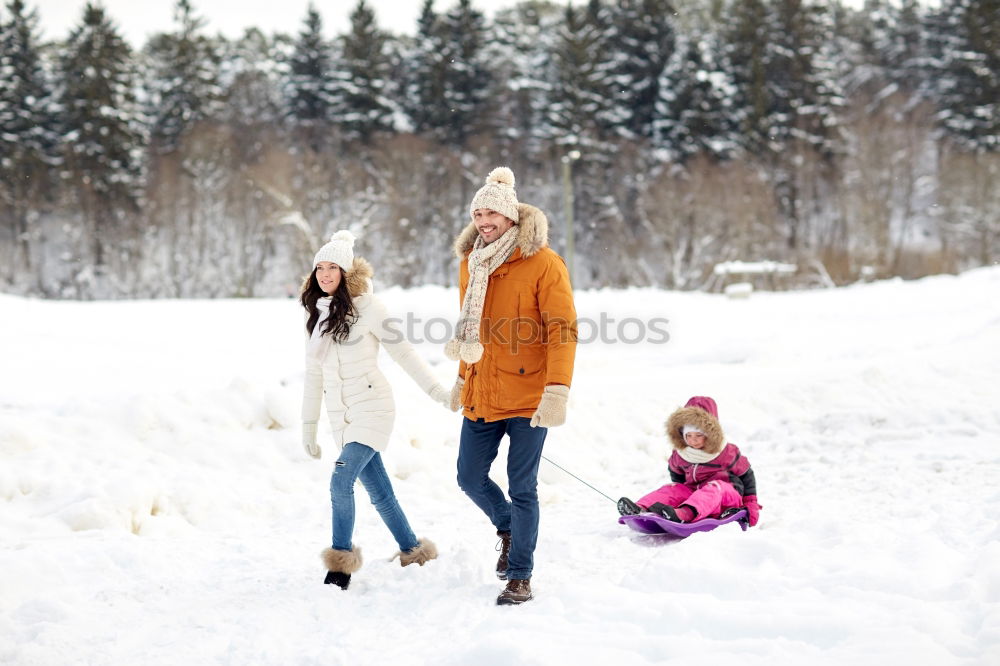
(695, 440)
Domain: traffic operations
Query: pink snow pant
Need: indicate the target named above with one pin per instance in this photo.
(709, 500)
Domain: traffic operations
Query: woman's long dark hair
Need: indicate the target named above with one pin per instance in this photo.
(342, 312)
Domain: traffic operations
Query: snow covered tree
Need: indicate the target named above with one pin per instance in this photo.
(881, 46)
(520, 52)
(964, 76)
(309, 89)
(103, 133)
(746, 35)
(251, 82)
(901, 44)
(968, 73)
(644, 41)
(695, 113)
(788, 96)
(183, 88)
(582, 111)
(775, 51)
(363, 84)
(425, 72)
(467, 76)
(28, 134)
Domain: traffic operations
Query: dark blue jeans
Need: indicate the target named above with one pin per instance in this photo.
(476, 452)
(357, 461)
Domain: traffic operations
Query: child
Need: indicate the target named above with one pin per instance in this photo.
(708, 475)
(345, 326)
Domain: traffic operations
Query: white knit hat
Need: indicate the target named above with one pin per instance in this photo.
(497, 194)
(340, 250)
(690, 428)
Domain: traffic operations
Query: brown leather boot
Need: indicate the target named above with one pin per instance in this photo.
(516, 592)
(504, 548)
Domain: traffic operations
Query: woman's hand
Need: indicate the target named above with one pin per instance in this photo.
(440, 395)
(309, 440)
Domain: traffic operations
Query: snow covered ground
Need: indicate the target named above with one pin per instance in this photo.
(156, 506)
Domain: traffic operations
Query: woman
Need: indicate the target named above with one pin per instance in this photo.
(345, 324)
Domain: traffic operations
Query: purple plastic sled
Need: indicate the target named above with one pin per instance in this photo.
(652, 523)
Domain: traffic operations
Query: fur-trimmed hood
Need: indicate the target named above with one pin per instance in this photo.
(359, 278)
(703, 413)
(532, 234)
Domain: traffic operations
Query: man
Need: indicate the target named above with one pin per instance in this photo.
(516, 341)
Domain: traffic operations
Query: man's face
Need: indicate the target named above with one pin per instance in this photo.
(490, 224)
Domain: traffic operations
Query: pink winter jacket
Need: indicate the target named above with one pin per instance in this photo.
(730, 466)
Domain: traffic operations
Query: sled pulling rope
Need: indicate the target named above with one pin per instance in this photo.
(578, 479)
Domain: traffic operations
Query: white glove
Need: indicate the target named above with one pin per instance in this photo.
(309, 440)
(455, 399)
(551, 410)
(439, 395)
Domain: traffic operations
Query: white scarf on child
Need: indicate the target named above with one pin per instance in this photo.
(319, 345)
(697, 456)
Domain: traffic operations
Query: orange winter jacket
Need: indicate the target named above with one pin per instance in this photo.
(528, 330)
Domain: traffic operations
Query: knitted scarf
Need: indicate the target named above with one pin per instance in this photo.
(319, 345)
(483, 260)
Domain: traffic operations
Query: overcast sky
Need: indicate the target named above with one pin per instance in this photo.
(137, 19)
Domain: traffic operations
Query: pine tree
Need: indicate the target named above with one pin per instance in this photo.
(184, 87)
(904, 46)
(645, 40)
(779, 72)
(884, 47)
(787, 94)
(746, 39)
(309, 87)
(425, 73)
(362, 85)
(467, 79)
(521, 48)
(582, 110)
(103, 134)
(28, 135)
(968, 73)
(694, 111)
(253, 91)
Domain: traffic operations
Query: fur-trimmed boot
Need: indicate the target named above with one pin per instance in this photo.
(424, 552)
(340, 564)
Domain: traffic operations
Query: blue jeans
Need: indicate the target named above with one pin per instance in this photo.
(477, 450)
(357, 461)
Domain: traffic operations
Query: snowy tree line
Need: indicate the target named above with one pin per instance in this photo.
(674, 135)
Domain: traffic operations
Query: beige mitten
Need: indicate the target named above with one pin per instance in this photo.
(551, 410)
(309, 440)
(455, 400)
(439, 394)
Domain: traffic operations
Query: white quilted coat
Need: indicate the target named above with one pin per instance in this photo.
(358, 397)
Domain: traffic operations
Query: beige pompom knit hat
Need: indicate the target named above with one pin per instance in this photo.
(497, 194)
(340, 250)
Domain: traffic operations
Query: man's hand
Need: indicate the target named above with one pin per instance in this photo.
(455, 402)
(551, 410)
